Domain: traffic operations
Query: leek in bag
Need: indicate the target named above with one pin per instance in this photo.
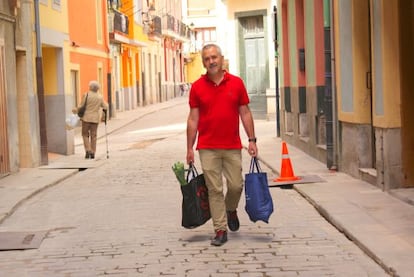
(179, 172)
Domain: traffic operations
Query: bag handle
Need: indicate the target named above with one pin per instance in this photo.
(86, 98)
(254, 163)
(191, 173)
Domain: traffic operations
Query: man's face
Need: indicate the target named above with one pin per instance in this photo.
(212, 60)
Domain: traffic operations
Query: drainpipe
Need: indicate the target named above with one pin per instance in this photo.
(330, 99)
(109, 64)
(276, 72)
(334, 96)
(40, 89)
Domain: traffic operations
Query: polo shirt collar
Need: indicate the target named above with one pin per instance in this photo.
(225, 77)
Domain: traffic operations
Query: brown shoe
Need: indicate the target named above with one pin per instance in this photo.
(233, 221)
(220, 238)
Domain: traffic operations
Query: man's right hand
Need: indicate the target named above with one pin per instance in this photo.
(190, 156)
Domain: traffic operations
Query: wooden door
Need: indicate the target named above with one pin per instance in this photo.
(255, 71)
(255, 66)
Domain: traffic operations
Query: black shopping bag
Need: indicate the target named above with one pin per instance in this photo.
(195, 205)
(259, 203)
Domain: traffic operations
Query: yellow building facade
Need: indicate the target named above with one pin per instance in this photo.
(54, 36)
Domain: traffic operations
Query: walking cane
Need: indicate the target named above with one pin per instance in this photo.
(106, 136)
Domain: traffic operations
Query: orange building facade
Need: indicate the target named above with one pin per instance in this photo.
(89, 47)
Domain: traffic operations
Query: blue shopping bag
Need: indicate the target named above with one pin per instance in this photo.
(259, 203)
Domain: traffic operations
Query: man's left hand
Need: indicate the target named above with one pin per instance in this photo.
(252, 149)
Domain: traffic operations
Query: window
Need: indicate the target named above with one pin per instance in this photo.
(114, 4)
(99, 22)
(205, 35)
(138, 12)
(56, 5)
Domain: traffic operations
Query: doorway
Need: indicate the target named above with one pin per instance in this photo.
(254, 63)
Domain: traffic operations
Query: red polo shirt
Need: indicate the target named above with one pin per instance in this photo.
(218, 126)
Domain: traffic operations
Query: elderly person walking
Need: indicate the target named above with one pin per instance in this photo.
(90, 119)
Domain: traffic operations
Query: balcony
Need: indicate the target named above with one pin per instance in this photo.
(175, 28)
(153, 26)
(118, 26)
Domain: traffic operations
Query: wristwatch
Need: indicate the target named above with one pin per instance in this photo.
(253, 140)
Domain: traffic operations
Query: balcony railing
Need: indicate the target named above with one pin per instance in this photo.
(155, 26)
(172, 25)
(118, 22)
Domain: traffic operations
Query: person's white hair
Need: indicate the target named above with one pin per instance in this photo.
(94, 86)
(212, 45)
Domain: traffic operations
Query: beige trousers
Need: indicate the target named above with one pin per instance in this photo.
(216, 164)
(89, 135)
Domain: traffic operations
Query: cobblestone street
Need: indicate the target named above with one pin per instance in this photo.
(123, 219)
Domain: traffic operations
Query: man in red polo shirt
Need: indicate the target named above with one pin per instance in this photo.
(218, 100)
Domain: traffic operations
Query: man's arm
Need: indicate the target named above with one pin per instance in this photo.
(248, 124)
(192, 125)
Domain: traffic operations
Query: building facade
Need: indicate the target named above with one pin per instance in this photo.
(302, 72)
(175, 33)
(54, 42)
(344, 68)
(203, 18)
(19, 116)
(147, 57)
(333, 73)
(133, 48)
(244, 31)
(130, 87)
(249, 40)
(88, 51)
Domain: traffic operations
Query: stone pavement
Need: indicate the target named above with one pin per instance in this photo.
(379, 222)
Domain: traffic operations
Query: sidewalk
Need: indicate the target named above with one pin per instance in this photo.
(380, 223)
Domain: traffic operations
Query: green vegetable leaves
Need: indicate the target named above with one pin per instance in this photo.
(179, 171)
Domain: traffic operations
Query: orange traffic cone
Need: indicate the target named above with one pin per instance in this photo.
(286, 171)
